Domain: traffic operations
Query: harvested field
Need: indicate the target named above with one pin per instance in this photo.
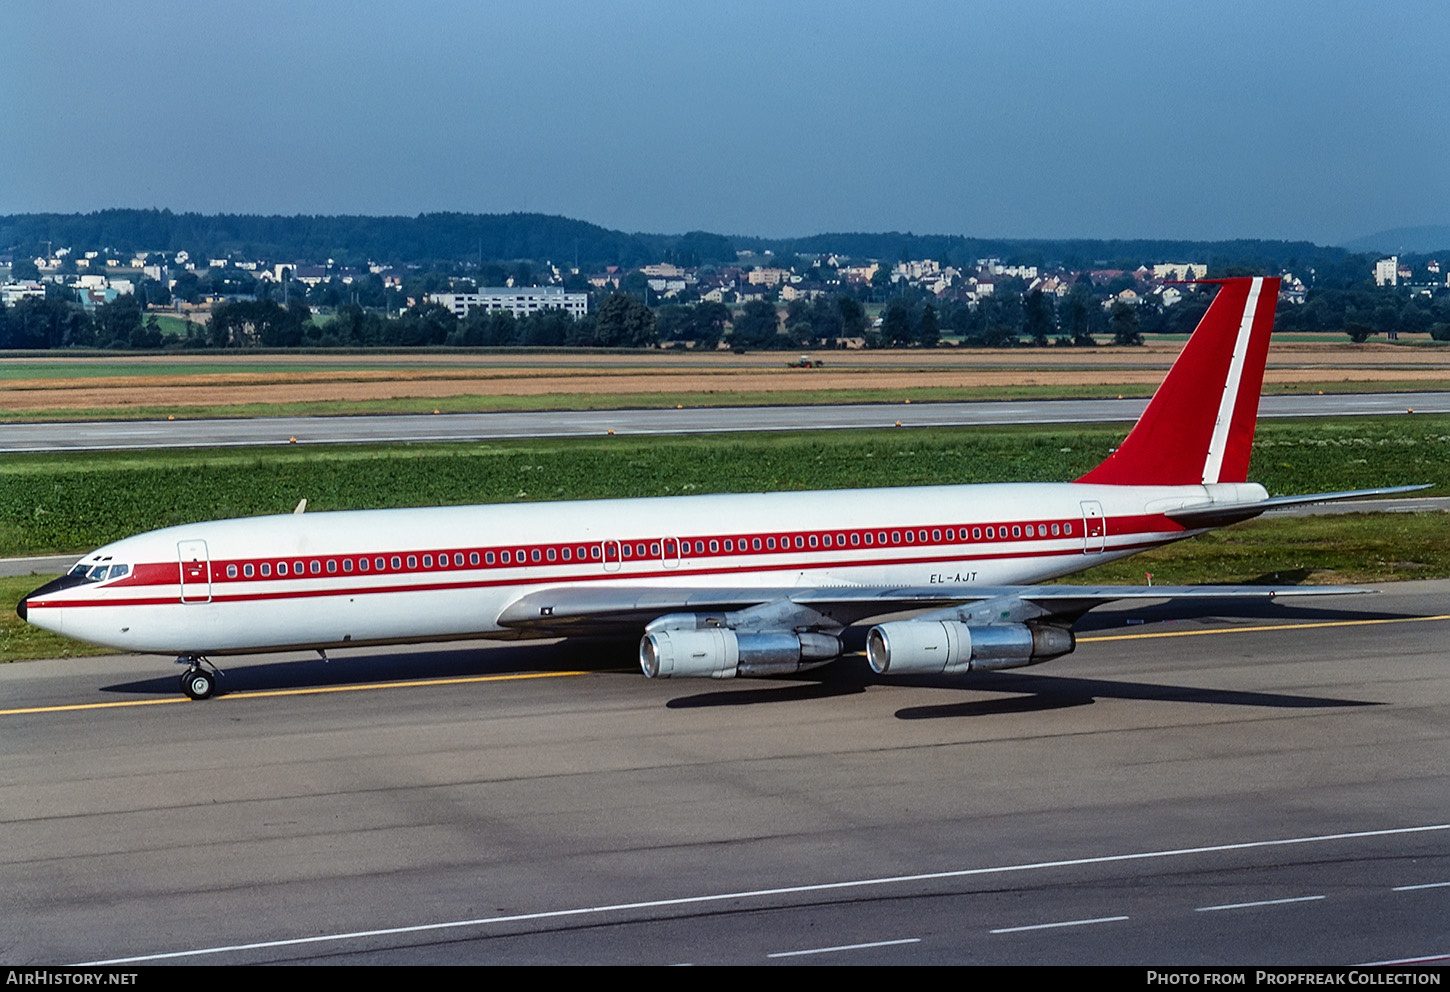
(336, 382)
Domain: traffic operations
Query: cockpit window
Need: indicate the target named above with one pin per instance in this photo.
(98, 574)
(80, 569)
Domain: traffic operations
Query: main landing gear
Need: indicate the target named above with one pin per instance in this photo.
(200, 680)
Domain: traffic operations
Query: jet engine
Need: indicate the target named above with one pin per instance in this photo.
(684, 646)
(909, 647)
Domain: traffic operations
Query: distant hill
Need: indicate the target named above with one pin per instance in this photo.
(464, 239)
(1428, 239)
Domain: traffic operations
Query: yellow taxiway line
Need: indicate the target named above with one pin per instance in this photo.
(308, 691)
(420, 683)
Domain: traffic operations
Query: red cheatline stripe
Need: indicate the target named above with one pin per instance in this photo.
(594, 576)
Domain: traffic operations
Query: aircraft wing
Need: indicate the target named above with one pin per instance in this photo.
(566, 610)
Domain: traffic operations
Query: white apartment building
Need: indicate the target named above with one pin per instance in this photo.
(1387, 271)
(519, 301)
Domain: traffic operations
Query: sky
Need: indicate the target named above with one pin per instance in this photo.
(1288, 119)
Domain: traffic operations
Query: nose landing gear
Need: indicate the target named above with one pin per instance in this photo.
(200, 680)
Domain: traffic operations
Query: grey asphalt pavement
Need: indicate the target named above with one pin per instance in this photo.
(1258, 787)
(108, 435)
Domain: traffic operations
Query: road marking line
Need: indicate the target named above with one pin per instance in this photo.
(1065, 923)
(1253, 630)
(1429, 959)
(310, 691)
(765, 893)
(1265, 902)
(1427, 885)
(845, 947)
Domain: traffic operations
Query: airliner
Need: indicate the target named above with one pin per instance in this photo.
(720, 585)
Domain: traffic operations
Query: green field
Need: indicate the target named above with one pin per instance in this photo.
(51, 503)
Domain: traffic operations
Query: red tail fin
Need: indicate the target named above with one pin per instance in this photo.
(1199, 426)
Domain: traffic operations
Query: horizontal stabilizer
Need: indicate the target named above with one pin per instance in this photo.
(1222, 514)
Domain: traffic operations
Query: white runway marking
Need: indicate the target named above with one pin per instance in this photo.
(845, 947)
(1065, 923)
(1262, 902)
(755, 894)
(1427, 885)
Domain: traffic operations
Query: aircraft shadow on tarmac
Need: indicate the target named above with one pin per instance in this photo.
(1023, 692)
(1028, 692)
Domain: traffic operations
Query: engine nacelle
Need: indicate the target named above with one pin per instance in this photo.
(948, 647)
(722, 653)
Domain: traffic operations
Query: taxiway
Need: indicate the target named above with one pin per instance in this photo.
(1269, 789)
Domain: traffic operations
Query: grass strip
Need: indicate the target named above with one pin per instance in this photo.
(63, 502)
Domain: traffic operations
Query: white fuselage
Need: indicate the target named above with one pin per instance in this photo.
(319, 580)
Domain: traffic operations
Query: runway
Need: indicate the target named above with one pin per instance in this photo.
(1222, 790)
(118, 435)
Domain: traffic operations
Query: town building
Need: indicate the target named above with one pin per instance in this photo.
(1387, 271)
(519, 301)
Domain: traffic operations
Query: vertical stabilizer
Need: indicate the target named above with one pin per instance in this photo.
(1199, 426)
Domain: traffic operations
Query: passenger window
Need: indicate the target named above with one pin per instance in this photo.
(755, 543)
(397, 562)
(488, 558)
(362, 564)
(814, 542)
(714, 547)
(991, 533)
(770, 544)
(231, 571)
(1016, 531)
(281, 568)
(427, 561)
(568, 552)
(976, 533)
(266, 570)
(1055, 530)
(412, 561)
(458, 559)
(316, 568)
(533, 555)
(552, 554)
(332, 566)
(595, 553)
(1067, 529)
(800, 542)
(473, 558)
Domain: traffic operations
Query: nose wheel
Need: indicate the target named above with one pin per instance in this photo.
(200, 680)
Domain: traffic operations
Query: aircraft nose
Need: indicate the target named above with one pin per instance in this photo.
(54, 585)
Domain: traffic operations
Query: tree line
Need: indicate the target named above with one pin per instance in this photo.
(1012, 316)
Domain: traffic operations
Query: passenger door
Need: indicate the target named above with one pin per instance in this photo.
(195, 567)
